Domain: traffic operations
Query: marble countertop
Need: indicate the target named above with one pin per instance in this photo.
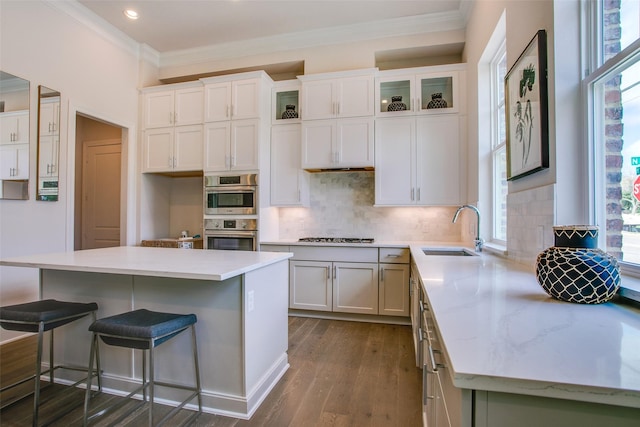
(502, 332)
(156, 262)
(375, 244)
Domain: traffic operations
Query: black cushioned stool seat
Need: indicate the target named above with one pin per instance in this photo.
(39, 317)
(144, 330)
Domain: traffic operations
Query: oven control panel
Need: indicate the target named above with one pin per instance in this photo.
(230, 224)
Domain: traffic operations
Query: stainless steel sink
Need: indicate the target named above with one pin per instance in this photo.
(448, 252)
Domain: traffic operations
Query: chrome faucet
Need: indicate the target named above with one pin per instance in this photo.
(478, 241)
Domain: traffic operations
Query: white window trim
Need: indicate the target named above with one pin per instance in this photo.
(500, 52)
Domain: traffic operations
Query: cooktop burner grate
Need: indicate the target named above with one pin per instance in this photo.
(336, 240)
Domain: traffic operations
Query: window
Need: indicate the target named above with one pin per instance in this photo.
(613, 90)
(499, 146)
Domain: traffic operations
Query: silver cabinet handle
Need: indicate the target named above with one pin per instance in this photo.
(382, 274)
(418, 194)
(170, 162)
(329, 273)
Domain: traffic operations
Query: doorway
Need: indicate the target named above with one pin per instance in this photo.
(98, 184)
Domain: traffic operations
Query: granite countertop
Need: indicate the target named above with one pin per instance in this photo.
(157, 262)
(502, 332)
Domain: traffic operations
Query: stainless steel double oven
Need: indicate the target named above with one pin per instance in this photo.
(231, 209)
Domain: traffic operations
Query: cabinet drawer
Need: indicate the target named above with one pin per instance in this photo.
(332, 253)
(394, 255)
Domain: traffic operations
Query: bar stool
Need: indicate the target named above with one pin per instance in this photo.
(143, 330)
(42, 316)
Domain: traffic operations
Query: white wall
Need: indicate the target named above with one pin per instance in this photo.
(40, 43)
(567, 160)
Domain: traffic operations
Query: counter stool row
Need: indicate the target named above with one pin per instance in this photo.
(139, 329)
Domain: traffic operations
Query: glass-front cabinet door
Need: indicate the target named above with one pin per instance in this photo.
(421, 92)
(286, 102)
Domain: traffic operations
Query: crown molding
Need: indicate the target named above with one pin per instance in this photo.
(104, 29)
(396, 27)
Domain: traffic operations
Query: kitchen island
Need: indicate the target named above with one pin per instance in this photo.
(509, 354)
(240, 299)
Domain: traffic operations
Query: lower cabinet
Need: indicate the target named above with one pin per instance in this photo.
(14, 161)
(334, 286)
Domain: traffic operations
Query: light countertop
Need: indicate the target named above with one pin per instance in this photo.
(156, 262)
(502, 332)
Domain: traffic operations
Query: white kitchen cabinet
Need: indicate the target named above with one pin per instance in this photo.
(289, 183)
(237, 96)
(173, 149)
(311, 285)
(355, 287)
(285, 102)
(393, 286)
(48, 155)
(423, 91)
(231, 145)
(345, 143)
(49, 116)
(338, 95)
(419, 161)
(14, 161)
(175, 105)
(14, 127)
(338, 279)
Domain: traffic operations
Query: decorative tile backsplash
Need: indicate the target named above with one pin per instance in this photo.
(341, 205)
(530, 220)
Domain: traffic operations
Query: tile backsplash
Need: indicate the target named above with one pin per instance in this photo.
(341, 205)
(530, 220)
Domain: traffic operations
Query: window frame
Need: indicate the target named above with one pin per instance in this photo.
(596, 72)
(496, 145)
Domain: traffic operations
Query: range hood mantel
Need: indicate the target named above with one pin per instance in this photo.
(365, 169)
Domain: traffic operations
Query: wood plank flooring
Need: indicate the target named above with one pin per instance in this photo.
(341, 374)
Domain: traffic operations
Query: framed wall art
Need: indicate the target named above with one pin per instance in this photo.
(526, 101)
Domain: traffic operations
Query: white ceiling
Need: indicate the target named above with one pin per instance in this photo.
(177, 25)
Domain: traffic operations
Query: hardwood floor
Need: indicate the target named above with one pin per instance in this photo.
(341, 374)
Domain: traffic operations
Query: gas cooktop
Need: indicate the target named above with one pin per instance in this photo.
(336, 240)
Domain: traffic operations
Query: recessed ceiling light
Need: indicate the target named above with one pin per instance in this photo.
(131, 14)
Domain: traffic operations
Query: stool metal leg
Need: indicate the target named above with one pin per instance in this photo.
(151, 379)
(36, 394)
(196, 366)
(87, 393)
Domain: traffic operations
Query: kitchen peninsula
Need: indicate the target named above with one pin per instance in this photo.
(240, 299)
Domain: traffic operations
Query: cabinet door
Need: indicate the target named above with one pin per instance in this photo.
(355, 287)
(158, 150)
(310, 285)
(287, 179)
(14, 127)
(318, 142)
(245, 142)
(47, 156)
(355, 142)
(394, 290)
(189, 106)
(395, 160)
(48, 118)
(400, 88)
(437, 93)
(217, 141)
(187, 148)
(217, 102)
(14, 161)
(318, 100)
(438, 160)
(355, 96)
(245, 99)
(158, 109)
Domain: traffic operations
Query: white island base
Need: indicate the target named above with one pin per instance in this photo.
(241, 328)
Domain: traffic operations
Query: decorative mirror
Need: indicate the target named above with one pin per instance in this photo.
(48, 143)
(14, 137)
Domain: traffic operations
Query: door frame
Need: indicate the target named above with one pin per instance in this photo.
(129, 184)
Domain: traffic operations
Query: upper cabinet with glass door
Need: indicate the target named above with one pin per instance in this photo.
(424, 90)
(285, 102)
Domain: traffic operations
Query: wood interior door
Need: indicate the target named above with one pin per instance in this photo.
(101, 174)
